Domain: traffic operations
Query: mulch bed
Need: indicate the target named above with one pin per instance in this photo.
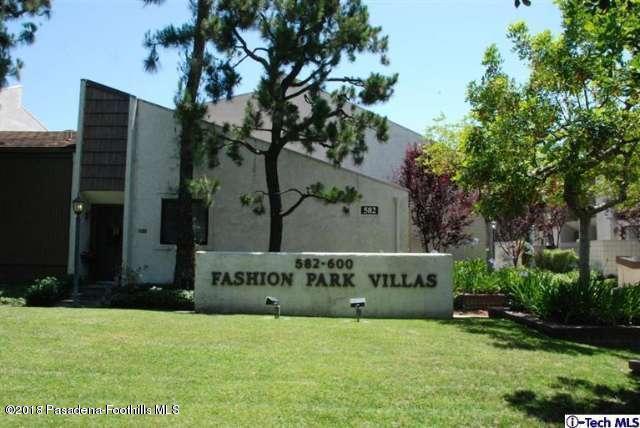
(474, 302)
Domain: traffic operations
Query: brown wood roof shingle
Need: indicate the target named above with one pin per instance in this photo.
(26, 139)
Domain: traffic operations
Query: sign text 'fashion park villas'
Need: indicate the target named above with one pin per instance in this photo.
(395, 285)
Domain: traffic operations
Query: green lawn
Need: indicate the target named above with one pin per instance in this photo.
(257, 371)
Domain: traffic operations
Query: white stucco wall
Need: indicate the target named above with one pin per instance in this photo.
(603, 254)
(628, 275)
(13, 116)
(605, 224)
(75, 187)
(381, 161)
(312, 227)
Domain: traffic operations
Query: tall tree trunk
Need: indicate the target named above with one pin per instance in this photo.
(572, 186)
(184, 272)
(275, 201)
(425, 242)
(584, 248)
(515, 252)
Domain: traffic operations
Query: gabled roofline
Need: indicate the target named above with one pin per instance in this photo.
(23, 108)
(36, 119)
(297, 153)
(305, 155)
(244, 94)
(95, 84)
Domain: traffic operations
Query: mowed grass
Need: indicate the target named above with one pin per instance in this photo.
(257, 371)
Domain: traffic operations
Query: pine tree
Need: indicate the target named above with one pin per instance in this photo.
(18, 11)
(201, 73)
(301, 45)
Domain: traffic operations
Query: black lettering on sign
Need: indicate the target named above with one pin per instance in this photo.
(403, 280)
(432, 280)
(369, 210)
(323, 279)
(338, 264)
(330, 280)
(252, 278)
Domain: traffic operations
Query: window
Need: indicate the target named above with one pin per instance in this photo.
(169, 224)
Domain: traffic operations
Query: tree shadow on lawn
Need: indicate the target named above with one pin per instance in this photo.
(586, 398)
(509, 335)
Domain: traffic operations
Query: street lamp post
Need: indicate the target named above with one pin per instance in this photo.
(78, 207)
(492, 244)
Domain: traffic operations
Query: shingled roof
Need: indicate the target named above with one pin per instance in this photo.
(30, 139)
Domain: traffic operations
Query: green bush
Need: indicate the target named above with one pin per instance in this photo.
(559, 261)
(562, 298)
(626, 301)
(12, 301)
(473, 276)
(527, 289)
(45, 292)
(153, 298)
(13, 294)
(505, 276)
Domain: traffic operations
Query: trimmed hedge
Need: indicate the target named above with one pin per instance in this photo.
(558, 261)
(153, 298)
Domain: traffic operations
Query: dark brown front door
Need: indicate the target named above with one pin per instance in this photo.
(106, 241)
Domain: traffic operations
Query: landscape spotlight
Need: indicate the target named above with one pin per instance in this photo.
(358, 303)
(272, 301)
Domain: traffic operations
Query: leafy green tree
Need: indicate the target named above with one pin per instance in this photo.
(443, 155)
(201, 73)
(574, 124)
(301, 43)
(21, 12)
(591, 4)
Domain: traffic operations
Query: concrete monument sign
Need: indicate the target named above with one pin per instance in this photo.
(395, 285)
